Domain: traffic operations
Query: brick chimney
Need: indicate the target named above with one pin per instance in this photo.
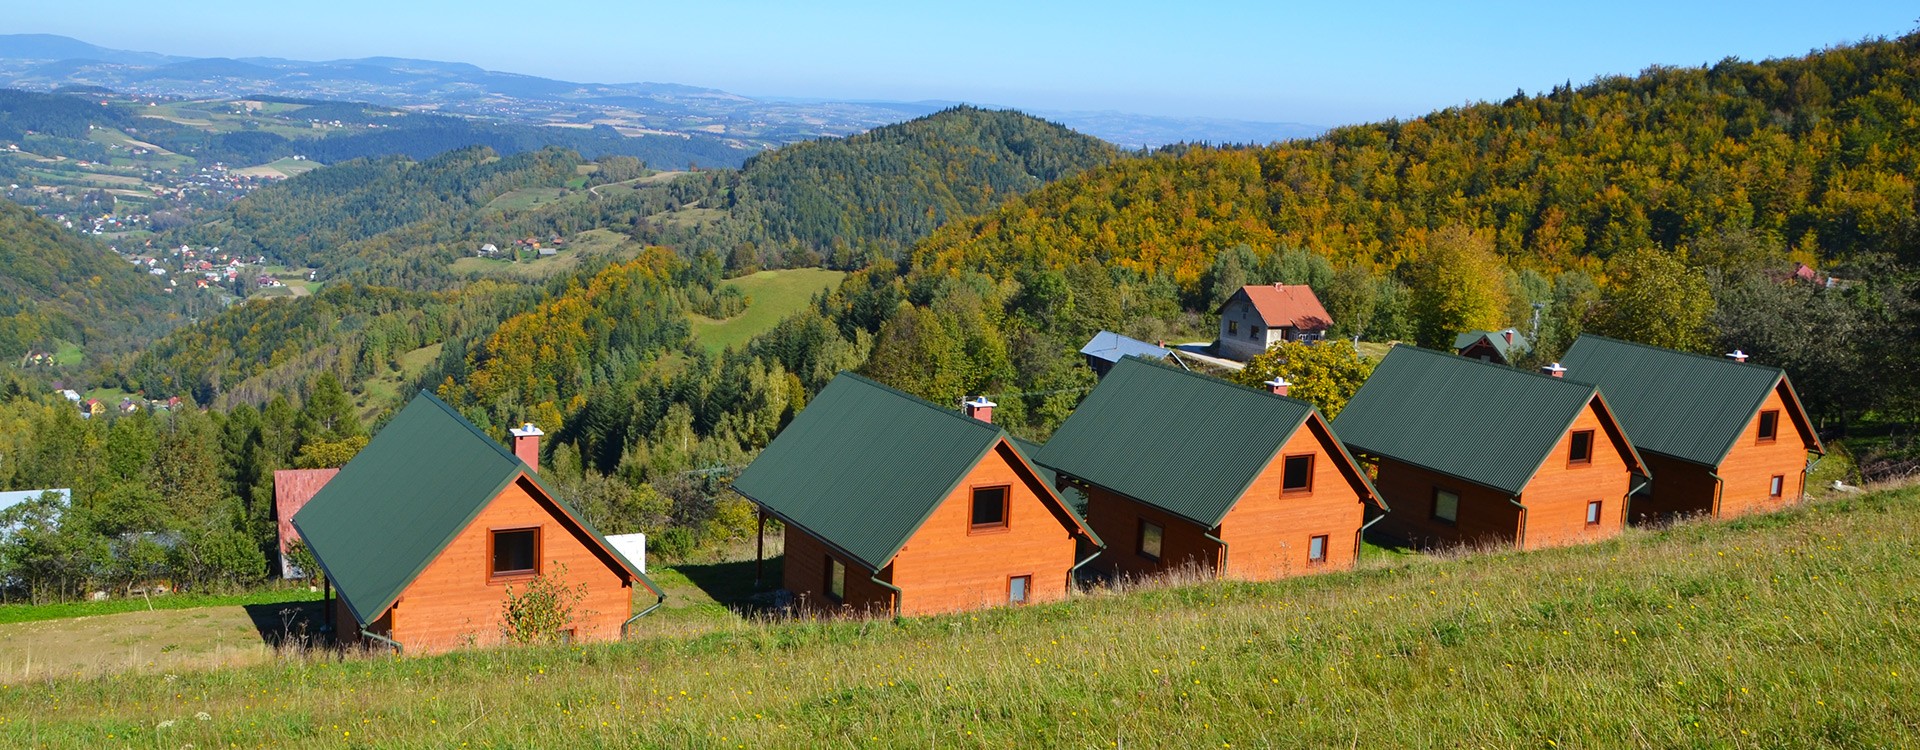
(526, 444)
(1508, 334)
(1737, 355)
(1555, 370)
(980, 408)
(1278, 386)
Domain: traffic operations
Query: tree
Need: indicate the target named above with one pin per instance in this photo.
(1351, 297)
(1459, 284)
(1326, 374)
(1652, 297)
(328, 414)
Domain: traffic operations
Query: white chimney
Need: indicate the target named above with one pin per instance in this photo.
(1555, 370)
(526, 444)
(980, 408)
(1737, 355)
(1278, 386)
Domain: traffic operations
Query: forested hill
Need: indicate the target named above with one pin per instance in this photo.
(843, 200)
(58, 286)
(1816, 155)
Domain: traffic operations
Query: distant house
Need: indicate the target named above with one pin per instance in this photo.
(70, 395)
(426, 529)
(1469, 452)
(1723, 436)
(1500, 347)
(895, 504)
(1261, 316)
(292, 488)
(1107, 347)
(548, 252)
(1181, 469)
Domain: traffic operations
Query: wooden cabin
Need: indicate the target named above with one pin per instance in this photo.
(1182, 470)
(1499, 347)
(1723, 436)
(423, 533)
(893, 504)
(1468, 452)
(1261, 316)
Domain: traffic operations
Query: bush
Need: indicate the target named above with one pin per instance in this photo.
(542, 612)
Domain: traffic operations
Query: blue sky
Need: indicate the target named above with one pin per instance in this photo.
(1321, 62)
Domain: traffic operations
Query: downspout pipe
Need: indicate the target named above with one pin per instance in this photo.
(1223, 553)
(1719, 491)
(365, 633)
(1520, 540)
(643, 613)
(1076, 567)
(1807, 473)
(1360, 536)
(897, 593)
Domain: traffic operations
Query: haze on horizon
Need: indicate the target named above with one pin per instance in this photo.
(1293, 62)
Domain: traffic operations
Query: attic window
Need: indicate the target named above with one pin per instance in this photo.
(1769, 425)
(1298, 474)
(1582, 451)
(989, 509)
(515, 553)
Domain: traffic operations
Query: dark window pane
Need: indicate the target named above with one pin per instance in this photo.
(1299, 474)
(513, 551)
(990, 507)
(1769, 425)
(1582, 447)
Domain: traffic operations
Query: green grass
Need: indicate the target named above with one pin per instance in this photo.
(585, 245)
(525, 199)
(384, 389)
(68, 354)
(775, 295)
(12, 613)
(1791, 630)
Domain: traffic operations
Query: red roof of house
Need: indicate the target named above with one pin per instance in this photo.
(292, 488)
(1288, 306)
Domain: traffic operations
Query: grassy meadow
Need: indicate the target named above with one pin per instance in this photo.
(775, 295)
(1796, 629)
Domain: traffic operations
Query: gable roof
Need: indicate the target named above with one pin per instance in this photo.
(864, 465)
(1285, 305)
(393, 508)
(1183, 442)
(1495, 339)
(1689, 406)
(1111, 347)
(1476, 421)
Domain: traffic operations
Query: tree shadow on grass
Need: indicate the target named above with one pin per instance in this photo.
(288, 623)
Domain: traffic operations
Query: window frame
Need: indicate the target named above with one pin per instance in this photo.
(1777, 487)
(1253, 332)
(1768, 433)
(1595, 511)
(1026, 590)
(503, 576)
(835, 566)
(1006, 509)
(1306, 489)
(1140, 540)
(1323, 541)
(1233, 328)
(1573, 443)
(1433, 509)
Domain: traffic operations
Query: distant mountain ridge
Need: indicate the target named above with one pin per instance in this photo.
(46, 62)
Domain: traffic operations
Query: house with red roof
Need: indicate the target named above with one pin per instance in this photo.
(1261, 316)
(292, 488)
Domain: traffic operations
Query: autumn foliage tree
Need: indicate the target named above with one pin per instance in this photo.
(1459, 284)
(1326, 374)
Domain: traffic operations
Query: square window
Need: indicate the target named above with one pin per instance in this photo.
(1317, 550)
(989, 508)
(1017, 588)
(1769, 425)
(1593, 513)
(1298, 474)
(1446, 506)
(836, 580)
(515, 552)
(1233, 327)
(1151, 535)
(1778, 487)
(1253, 332)
(1582, 450)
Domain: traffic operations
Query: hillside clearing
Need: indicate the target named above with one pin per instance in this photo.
(775, 295)
(1791, 629)
(590, 243)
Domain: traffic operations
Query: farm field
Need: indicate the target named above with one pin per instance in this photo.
(384, 389)
(593, 242)
(525, 199)
(1785, 630)
(775, 295)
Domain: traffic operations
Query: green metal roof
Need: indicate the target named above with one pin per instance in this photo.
(1688, 406)
(864, 465)
(1183, 442)
(393, 508)
(1495, 339)
(1484, 423)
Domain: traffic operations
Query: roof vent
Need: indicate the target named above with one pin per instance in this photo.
(1737, 355)
(1555, 370)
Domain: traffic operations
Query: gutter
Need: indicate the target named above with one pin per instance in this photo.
(1359, 537)
(1223, 553)
(365, 633)
(643, 613)
(897, 593)
(1807, 473)
(1719, 491)
(1076, 568)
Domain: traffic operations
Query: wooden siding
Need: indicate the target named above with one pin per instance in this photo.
(945, 567)
(1116, 518)
(1268, 531)
(453, 604)
(805, 575)
(1679, 488)
(1749, 468)
(1556, 498)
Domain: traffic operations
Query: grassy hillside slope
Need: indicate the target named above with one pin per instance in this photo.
(1796, 629)
(775, 295)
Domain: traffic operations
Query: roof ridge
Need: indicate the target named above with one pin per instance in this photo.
(1664, 350)
(1221, 381)
(461, 419)
(1503, 368)
(922, 402)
